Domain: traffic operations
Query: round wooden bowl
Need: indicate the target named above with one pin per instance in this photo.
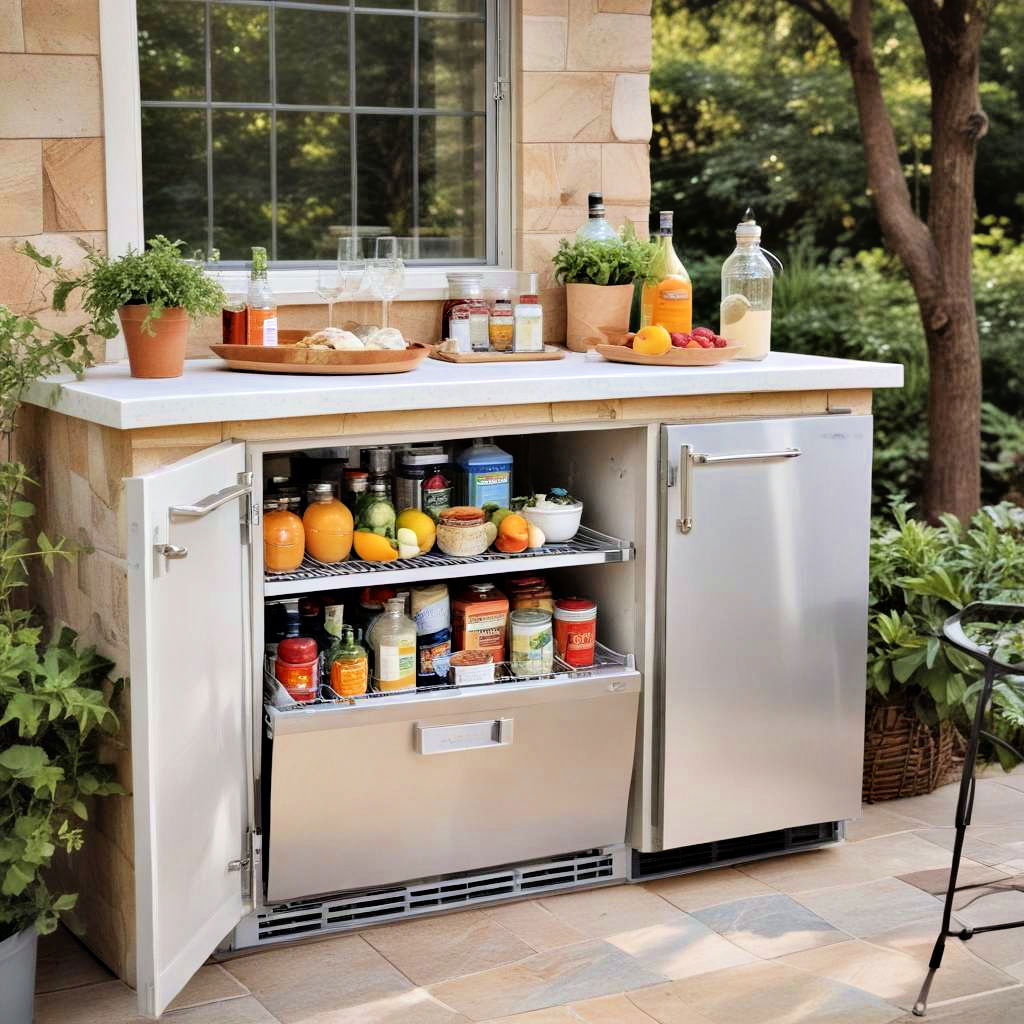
(289, 359)
(674, 357)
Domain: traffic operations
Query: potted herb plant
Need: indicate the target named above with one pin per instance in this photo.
(920, 688)
(154, 293)
(599, 278)
(52, 696)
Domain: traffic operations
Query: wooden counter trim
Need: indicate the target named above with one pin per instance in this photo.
(157, 446)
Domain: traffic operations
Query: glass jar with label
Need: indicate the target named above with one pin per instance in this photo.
(394, 648)
(529, 325)
(469, 319)
(480, 620)
(576, 631)
(532, 644)
(414, 466)
(501, 327)
(460, 288)
(348, 665)
(297, 667)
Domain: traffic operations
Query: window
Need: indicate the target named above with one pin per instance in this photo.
(284, 123)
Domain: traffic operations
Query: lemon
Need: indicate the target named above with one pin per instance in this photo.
(421, 525)
(734, 307)
(372, 547)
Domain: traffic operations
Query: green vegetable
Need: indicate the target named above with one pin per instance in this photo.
(607, 263)
(157, 277)
(378, 516)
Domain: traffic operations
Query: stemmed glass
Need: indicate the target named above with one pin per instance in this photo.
(351, 265)
(329, 286)
(387, 273)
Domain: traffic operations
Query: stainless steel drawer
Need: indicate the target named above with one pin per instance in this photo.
(409, 786)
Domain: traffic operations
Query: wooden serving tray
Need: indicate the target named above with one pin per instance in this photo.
(289, 359)
(550, 352)
(676, 357)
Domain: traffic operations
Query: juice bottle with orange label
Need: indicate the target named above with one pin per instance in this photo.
(260, 304)
(348, 665)
(668, 299)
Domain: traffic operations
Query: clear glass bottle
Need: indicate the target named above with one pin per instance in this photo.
(668, 299)
(747, 279)
(260, 304)
(347, 665)
(394, 648)
(595, 228)
(470, 319)
(501, 326)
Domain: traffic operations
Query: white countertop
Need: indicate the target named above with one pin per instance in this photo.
(210, 393)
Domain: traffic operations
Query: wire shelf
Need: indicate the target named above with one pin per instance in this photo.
(588, 547)
(604, 659)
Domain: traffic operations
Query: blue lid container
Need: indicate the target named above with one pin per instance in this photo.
(485, 474)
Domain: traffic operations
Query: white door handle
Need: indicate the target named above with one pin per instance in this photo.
(206, 505)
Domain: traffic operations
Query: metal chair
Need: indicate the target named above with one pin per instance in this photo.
(953, 631)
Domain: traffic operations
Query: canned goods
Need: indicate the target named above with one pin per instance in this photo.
(533, 649)
(467, 668)
(576, 630)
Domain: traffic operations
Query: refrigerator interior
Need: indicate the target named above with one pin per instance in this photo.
(334, 781)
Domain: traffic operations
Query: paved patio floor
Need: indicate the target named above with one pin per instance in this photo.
(837, 936)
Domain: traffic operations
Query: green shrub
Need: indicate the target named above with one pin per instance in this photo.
(922, 574)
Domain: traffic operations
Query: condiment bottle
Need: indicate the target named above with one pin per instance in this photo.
(460, 287)
(529, 325)
(469, 320)
(297, 667)
(328, 526)
(394, 648)
(501, 327)
(284, 538)
(348, 665)
(260, 304)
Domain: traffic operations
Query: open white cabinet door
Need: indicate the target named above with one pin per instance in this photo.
(187, 566)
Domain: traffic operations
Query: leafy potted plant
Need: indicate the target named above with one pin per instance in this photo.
(154, 293)
(599, 278)
(52, 697)
(920, 688)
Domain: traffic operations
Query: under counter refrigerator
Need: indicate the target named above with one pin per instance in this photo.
(762, 625)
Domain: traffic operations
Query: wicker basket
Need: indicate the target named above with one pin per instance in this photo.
(903, 756)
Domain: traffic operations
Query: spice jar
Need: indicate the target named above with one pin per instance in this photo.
(461, 531)
(529, 325)
(501, 327)
(297, 667)
(576, 630)
(531, 643)
(328, 526)
(284, 539)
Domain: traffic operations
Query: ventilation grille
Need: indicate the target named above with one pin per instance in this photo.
(368, 906)
(728, 851)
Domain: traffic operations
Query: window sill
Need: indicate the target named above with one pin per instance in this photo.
(298, 287)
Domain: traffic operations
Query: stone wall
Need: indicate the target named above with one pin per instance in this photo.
(585, 126)
(51, 150)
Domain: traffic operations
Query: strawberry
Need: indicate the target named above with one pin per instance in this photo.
(720, 342)
(694, 343)
(703, 330)
(679, 340)
(704, 341)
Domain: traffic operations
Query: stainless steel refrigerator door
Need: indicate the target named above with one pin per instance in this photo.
(764, 625)
(408, 787)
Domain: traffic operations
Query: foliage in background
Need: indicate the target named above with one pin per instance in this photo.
(157, 277)
(751, 107)
(592, 262)
(922, 574)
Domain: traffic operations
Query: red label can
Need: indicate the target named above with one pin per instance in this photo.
(575, 630)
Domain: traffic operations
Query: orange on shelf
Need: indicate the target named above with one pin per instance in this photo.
(284, 540)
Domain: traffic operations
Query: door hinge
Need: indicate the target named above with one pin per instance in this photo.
(670, 475)
(499, 89)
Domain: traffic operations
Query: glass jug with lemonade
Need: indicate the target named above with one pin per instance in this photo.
(747, 279)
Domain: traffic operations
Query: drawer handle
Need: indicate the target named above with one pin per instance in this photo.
(447, 739)
(214, 501)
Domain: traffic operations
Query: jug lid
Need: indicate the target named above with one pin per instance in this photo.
(748, 227)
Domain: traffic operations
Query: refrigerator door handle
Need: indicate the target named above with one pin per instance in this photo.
(214, 501)
(445, 739)
(688, 458)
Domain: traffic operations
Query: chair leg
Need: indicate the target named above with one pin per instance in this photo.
(964, 810)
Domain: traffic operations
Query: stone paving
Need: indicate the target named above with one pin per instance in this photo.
(837, 936)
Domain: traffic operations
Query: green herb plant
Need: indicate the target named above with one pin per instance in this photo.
(606, 263)
(157, 277)
(53, 703)
(920, 575)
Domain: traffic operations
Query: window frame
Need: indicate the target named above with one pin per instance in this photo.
(294, 282)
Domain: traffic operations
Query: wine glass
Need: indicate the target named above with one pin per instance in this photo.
(329, 286)
(386, 248)
(386, 278)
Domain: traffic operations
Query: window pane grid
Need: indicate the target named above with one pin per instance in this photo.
(397, 188)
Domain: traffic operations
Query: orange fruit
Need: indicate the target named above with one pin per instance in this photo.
(372, 547)
(513, 534)
(652, 341)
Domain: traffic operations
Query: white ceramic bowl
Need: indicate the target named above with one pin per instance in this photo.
(558, 523)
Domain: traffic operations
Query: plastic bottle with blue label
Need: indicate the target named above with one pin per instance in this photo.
(486, 474)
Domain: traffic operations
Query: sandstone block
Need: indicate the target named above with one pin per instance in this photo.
(21, 188)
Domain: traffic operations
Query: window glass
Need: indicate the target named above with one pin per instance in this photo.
(284, 123)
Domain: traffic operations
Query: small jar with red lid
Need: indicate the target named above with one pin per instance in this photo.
(576, 631)
(297, 667)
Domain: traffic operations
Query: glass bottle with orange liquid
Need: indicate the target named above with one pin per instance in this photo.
(328, 526)
(668, 299)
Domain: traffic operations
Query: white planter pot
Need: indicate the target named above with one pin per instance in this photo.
(18, 977)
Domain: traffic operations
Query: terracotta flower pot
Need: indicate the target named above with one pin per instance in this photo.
(596, 314)
(162, 353)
